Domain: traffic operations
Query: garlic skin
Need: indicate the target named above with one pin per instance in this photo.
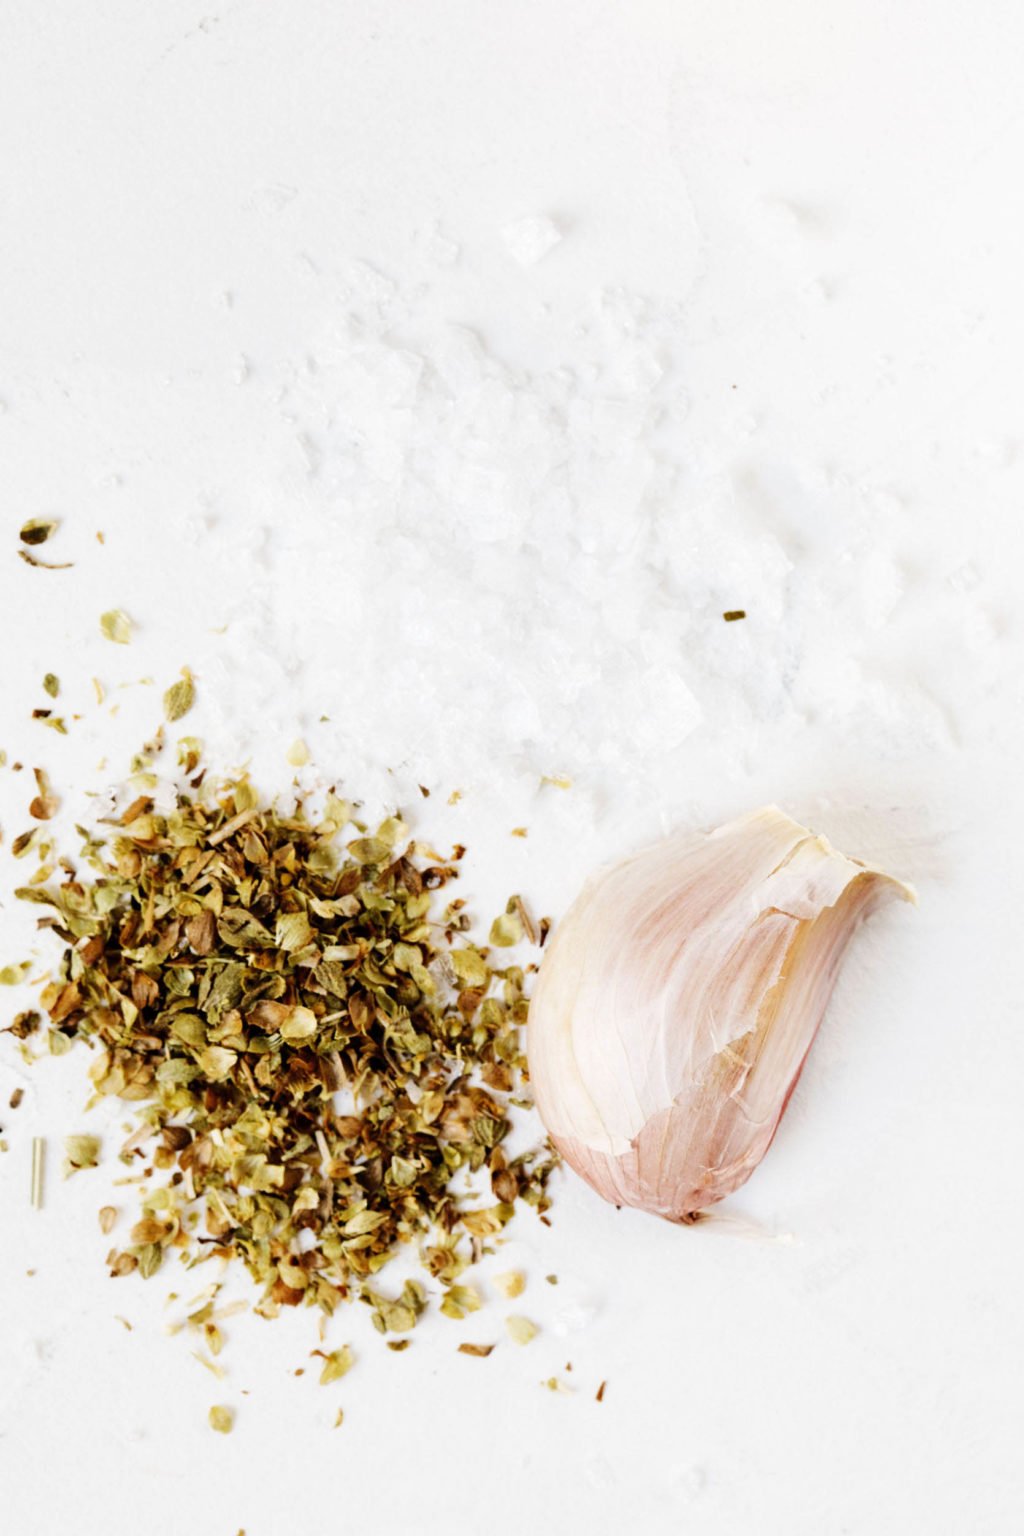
(678, 1000)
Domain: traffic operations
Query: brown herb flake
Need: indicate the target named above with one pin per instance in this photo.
(732, 614)
(26, 1023)
(44, 565)
(45, 805)
(16, 1097)
(38, 529)
(599, 1394)
(479, 1351)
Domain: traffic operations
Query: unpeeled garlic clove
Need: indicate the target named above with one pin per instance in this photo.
(679, 998)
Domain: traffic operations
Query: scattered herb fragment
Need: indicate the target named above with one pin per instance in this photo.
(480, 1351)
(115, 625)
(51, 684)
(23, 1024)
(180, 697)
(336, 1365)
(222, 1419)
(55, 722)
(732, 614)
(108, 1216)
(16, 1097)
(38, 1170)
(599, 1394)
(510, 1284)
(38, 529)
(45, 805)
(44, 565)
(460, 1299)
(80, 1152)
(520, 1330)
(507, 929)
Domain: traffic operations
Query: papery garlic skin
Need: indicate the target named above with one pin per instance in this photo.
(678, 1000)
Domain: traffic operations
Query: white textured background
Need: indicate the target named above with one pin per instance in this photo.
(264, 323)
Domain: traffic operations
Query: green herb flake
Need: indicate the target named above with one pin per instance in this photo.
(336, 1365)
(222, 1419)
(45, 805)
(51, 684)
(115, 625)
(507, 929)
(180, 697)
(459, 1300)
(80, 1152)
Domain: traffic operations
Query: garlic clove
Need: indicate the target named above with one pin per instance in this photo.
(679, 998)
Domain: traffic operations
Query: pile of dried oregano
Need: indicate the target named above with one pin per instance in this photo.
(312, 1046)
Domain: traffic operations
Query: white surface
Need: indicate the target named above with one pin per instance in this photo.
(260, 324)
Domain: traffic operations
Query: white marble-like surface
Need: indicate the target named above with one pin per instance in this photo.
(445, 370)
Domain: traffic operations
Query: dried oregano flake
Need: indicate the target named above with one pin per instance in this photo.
(520, 1329)
(80, 1152)
(180, 697)
(115, 625)
(315, 1054)
(38, 529)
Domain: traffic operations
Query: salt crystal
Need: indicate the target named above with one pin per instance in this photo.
(529, 240)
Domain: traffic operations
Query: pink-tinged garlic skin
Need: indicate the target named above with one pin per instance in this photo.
(678, 1000)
